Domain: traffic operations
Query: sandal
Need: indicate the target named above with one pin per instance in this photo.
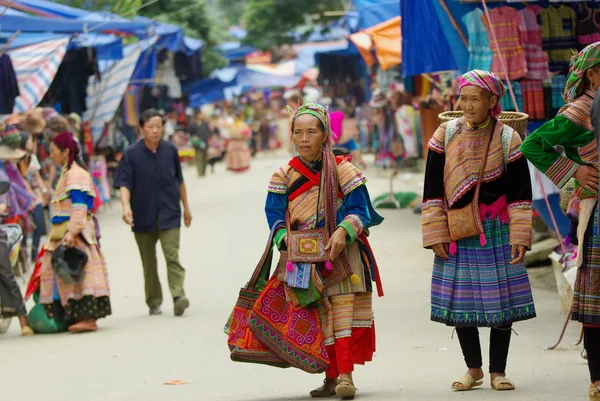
(346, 390)
(326, 390)
(466, 383)
(594, 392)
(501, 383)
(27, 331)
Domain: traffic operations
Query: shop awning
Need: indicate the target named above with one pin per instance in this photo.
(385, 40)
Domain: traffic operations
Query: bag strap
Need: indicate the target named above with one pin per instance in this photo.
(267, 257)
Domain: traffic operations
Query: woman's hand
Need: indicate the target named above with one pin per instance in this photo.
(441, 250)
(69, 240)
(587, 177)
(517, 253)
(336, 244)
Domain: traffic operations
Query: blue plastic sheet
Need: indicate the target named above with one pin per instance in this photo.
(373, 12)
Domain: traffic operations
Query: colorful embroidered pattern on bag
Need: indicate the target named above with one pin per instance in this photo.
(292, 332)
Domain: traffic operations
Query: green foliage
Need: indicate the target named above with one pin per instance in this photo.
(124, 8)
(193, 17)
(269, 21)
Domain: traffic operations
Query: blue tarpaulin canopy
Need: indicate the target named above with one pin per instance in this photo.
(373, 12)
(172, 37)
(40, 24)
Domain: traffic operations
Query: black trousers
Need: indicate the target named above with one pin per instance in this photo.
(591, 342)
(471, 347)
(10, 294)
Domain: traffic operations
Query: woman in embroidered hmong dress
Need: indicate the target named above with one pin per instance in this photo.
(81, 303)
(346, 310)
(479, 281)
(237, 157)
(572, 130)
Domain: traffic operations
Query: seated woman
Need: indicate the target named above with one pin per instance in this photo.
(480, 280)
(85, 301)
(295, 190)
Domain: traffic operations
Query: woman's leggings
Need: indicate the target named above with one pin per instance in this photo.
(591, 342)
(499, 344)
(39, 220)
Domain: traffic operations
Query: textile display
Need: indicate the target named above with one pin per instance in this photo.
(105, 96)
(479, 42)
(36, 67)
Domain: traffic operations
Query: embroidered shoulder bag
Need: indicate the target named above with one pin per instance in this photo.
(466, 221)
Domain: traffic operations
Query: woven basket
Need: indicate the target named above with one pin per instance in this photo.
(517, 121)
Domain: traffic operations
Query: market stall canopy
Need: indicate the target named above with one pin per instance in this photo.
(172, 36)
(235, 51)
(308, 52)
(385, 39)
(26, 23)
(430, 41)
(373, 12)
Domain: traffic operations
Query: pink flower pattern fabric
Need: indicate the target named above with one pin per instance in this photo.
(506, 23)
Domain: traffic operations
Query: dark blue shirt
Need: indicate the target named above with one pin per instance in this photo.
(153, 180)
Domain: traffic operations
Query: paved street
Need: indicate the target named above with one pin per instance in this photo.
(133, 354)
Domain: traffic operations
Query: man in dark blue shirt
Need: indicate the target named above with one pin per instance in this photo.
(151, 184)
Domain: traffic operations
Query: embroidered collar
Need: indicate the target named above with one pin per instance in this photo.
(478, 127)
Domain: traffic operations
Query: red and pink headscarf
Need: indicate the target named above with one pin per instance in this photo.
(488, 81)
(66, 141)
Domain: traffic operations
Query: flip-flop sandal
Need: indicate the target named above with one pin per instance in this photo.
(466, 383)
(501, 383)
(594, 392)
(326, 390)
(346, 390)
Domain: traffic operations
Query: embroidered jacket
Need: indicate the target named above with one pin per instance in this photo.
(73, 202)
(288, 189)
(452, 172)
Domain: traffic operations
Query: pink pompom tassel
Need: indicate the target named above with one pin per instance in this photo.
(482, 239)
(453, 248)
(289, 266)
(328, 265)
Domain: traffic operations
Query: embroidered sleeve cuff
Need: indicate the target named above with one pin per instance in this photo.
(520, 214)
(561, 171)
(434, 223)
(353, 226)
(279, 239)
(77, 219)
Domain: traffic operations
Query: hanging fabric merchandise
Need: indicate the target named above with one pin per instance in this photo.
(131, 111)
(531, 37)
(588, 30)
(506, 101)
(558, 85)
(506, 22)
(559, 25)
(479, 41)
(533, 94)
(548, 109)
(8, 84)
(165, 75)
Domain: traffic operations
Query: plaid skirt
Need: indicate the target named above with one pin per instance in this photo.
(586, 294)
(478, 286)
